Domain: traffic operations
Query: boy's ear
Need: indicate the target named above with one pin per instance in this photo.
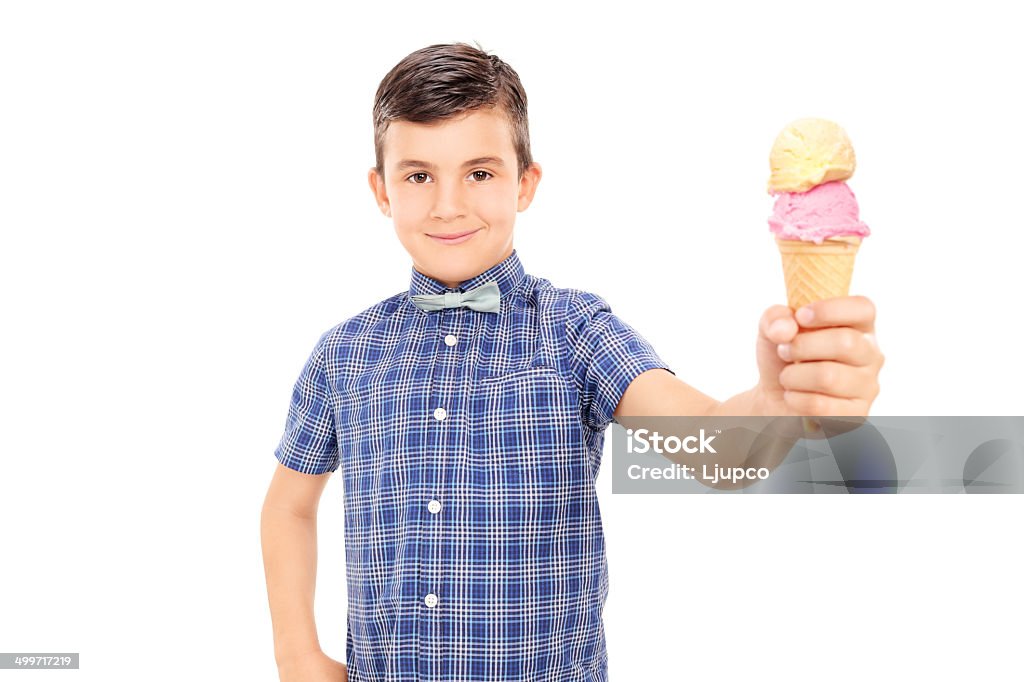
(528, 186)
(380, 192)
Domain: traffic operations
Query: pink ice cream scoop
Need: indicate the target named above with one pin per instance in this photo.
(827, 210)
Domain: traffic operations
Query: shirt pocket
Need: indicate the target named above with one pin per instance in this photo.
(526, 435)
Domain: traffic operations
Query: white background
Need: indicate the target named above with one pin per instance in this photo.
(184, 210)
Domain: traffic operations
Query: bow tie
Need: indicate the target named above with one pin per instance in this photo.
(484, 298)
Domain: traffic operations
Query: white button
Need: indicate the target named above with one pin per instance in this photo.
(430, 600)
(440, 414)
(433, 506)
(451, 340)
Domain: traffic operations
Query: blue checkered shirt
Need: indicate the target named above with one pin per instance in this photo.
(469, 443)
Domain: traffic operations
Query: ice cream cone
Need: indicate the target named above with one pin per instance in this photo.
(817, 271)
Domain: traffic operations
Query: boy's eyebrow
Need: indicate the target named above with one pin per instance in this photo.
(481, 161)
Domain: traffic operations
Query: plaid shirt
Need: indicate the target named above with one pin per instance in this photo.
(469, 443)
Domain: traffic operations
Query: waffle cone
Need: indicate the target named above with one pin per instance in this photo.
(817, 271)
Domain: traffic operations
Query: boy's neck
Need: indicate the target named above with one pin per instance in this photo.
(455, 285)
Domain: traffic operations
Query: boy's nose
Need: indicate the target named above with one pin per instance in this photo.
(449, 202)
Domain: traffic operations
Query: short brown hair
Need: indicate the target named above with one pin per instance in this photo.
(440, 81)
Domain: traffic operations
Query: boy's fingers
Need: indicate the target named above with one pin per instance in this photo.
(816, 404)
(777, 324)
(843, 311)
(831, 379)
(842, 344)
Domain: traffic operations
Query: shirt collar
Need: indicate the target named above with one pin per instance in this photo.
(508, 274)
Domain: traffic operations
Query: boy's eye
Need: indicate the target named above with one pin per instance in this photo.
(422, 178)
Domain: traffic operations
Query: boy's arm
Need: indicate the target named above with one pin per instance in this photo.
(288, 534)
(828, 365)
(659, 393)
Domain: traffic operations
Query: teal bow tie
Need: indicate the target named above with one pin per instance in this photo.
(484, 298)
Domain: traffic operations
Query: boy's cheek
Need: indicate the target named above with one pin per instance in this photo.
(408, 211)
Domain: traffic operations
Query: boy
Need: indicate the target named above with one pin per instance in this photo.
(467, 413)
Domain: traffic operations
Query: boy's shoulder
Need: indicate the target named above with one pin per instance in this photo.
(369, 318)
(571, 302)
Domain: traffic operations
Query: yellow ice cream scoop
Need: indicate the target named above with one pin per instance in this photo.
(808, 153)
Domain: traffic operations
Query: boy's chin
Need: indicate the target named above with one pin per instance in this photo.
(457, 265)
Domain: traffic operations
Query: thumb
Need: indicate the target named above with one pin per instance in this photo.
(777, 326)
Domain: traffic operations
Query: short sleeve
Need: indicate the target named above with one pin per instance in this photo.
(309, 444)
(605, 355)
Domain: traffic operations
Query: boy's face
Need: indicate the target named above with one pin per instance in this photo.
(449, 178)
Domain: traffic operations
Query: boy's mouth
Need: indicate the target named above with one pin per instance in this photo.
(454, 237)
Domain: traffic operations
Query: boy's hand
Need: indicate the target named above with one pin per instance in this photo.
(828, 366)
(315, 666)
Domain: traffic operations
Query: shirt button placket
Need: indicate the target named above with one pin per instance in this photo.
(431, 599)
(445, 367)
